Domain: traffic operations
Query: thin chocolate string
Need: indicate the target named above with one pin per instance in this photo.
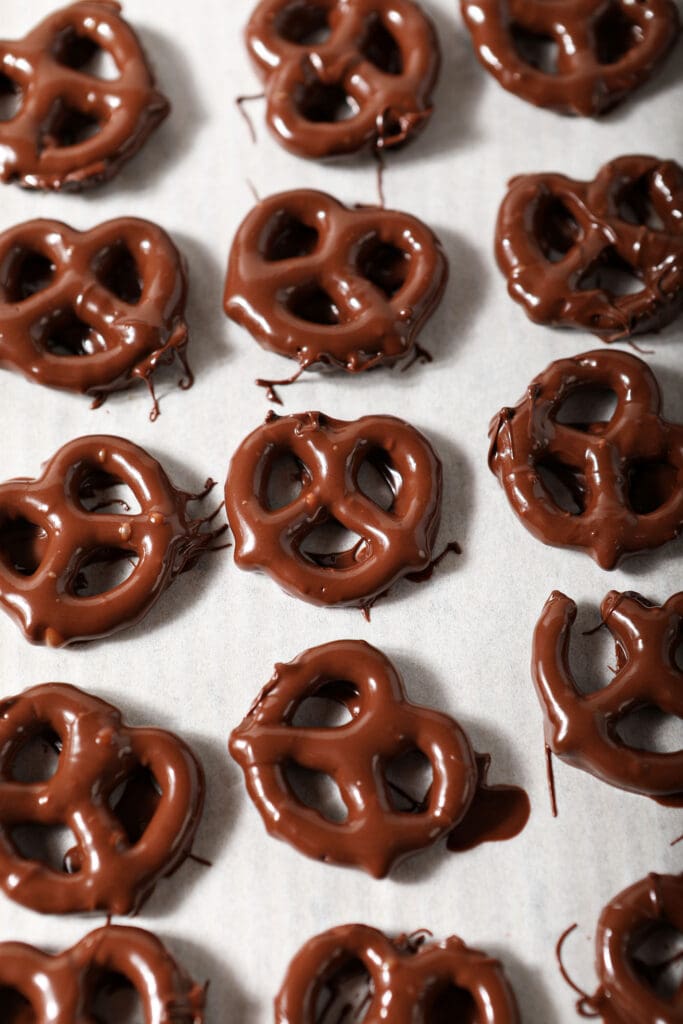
(550, 776)
(585, 1000)
(239, 102)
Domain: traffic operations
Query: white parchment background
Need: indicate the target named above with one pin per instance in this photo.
(462, 640)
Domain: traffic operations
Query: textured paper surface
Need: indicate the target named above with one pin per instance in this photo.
(462, 640)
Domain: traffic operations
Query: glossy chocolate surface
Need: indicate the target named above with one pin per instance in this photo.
(341, 75)
(409, 979)
(74, 129)
(583, 728)
(573, 56)
(90, 311)
(329, 454)
(125, 841)
(621, 480)
(321, 283)
(49, 537)
(63, 988)
(605, 255)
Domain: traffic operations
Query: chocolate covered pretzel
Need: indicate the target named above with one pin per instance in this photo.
(91, 311)
(583, 728)
(341, 75)
(330, 454)
(73, 129)
(574, 56)
(125, 839)
(51, 535)
(605, 255)
(63, 988)
(630, 990)
(410, 979)
(610, 488)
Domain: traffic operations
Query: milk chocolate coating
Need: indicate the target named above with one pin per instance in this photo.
(92, 311)
(583, 729)
(565, 246)
(321, 283)
(624, 476)
(408, 978)
(73, 129)
(63, 988)
(123, 844)
(626, 994)
(604, 50)
(340, 75)
(48, 538)
(330, 454)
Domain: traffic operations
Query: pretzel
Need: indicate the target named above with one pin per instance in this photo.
(628, 989)
(87, 327)
(582, 729)
(112, 867)
(384, 725)
(73, 129)
(63, 988)
(48, 537)
(394, 542)
(565, 246)
(605, 48)
(368, 81)
(379, 273)
(625, 476)
(407, 978)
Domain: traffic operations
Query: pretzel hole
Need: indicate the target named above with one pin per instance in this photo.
(379, 46)
(331, 546)
(323, 103)
(611, 274)
(409, 778)
(334, 704)
(116, 269)
(22, 545)
(286, 479)
(635, 204)
(37, 759)
(589, 407)
(81, 53)
(555, 228)
(102, 571)
(651, 485)
(537, 49)
(25, 273)
(312, 303)
(346, 995)
(448, 1003)
(10, 98)
(286, 237)
(316, 790)
(66, 126)
(15, 1008)
(62, 333)
(614, 35)
(656, 956)
(103, 492)
(564, 485)
(651, 729)
(134, 802)
(384, 264)
(303, 23)
(594, 655)
(378, 479)
(112, 998)
(53, 846)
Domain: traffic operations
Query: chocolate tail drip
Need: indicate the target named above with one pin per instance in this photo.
(239, 103)
(586, 1006)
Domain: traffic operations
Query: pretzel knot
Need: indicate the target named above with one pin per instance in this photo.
(407, 978)
(330, 455)
(321, 283)
(384, 725)
(90, 311)
(621, 481)
(343, 74)
(583, 729)
(125, 839)
(604, 255)
(73, 129)
(603, 49)
(64, 988)
(49, 539)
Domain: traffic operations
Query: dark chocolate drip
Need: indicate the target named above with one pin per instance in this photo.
(239, 103)
(496, 813)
